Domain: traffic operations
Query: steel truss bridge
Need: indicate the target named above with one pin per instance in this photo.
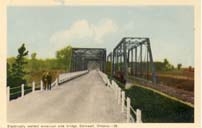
(86, 95)
(131, 58)
(81, 57)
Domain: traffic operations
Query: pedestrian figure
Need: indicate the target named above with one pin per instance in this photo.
(45, 81)
(49, 80)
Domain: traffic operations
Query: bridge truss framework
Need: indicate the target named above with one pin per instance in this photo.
(127, 58)
(82, 56)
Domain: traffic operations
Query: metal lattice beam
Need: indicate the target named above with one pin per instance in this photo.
(82, 56)
(129, 53)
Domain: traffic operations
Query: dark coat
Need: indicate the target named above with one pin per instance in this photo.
(44, 78)
(49, 78)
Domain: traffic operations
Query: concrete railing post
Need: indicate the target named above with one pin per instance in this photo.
(59, 79)
(114, 89)
(117, 91)
(138, 116)
(33, 86)
(128, 110)
(119, 95)
(41, 86)
(56, 82)
(108, 83)
(112, 84)
(22, 90)
(123, 101)
(115, 86)
(105, 79)
(8, 93)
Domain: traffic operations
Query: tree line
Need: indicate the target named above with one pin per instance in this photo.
(26, 66)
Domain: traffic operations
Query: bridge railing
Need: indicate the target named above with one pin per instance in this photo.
(123, 101)
(69, 76)
(23, 90)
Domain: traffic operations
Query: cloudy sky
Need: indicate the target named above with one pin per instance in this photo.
(47, 29)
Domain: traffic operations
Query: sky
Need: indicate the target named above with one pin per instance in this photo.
(45, 30)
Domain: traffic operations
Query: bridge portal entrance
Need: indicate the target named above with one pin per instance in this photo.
(88, 58)
(92, 65)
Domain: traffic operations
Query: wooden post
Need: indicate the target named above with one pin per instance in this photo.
(41, 86)
(128, 110)
(22, 90)
(123, 101)
(138, 116)
(8, 93)
(33, 86)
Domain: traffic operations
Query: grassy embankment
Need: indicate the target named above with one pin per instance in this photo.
(157, 108)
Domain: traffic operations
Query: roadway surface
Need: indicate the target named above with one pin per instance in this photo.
(85, 99)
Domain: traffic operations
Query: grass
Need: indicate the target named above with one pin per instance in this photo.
(159, 109)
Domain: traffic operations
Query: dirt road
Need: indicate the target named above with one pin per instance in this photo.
(85, 99)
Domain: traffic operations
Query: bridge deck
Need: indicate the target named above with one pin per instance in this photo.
(85, 99)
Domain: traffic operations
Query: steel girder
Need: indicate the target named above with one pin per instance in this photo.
(109, 57)
(121, 55)
(82, 56)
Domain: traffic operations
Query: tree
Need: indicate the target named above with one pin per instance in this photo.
(64, 58)
(163, 66)
(34, 65)
(167, 65)
(179, 66)
(33, 56)
(17, 73)
(165, 61)
(8, 72)
(190, 69)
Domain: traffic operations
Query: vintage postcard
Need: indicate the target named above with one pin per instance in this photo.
(69, 64)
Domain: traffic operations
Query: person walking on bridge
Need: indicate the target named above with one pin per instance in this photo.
(49, 80)
(45, 82)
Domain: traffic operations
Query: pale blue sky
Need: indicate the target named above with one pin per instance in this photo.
(47, 29)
